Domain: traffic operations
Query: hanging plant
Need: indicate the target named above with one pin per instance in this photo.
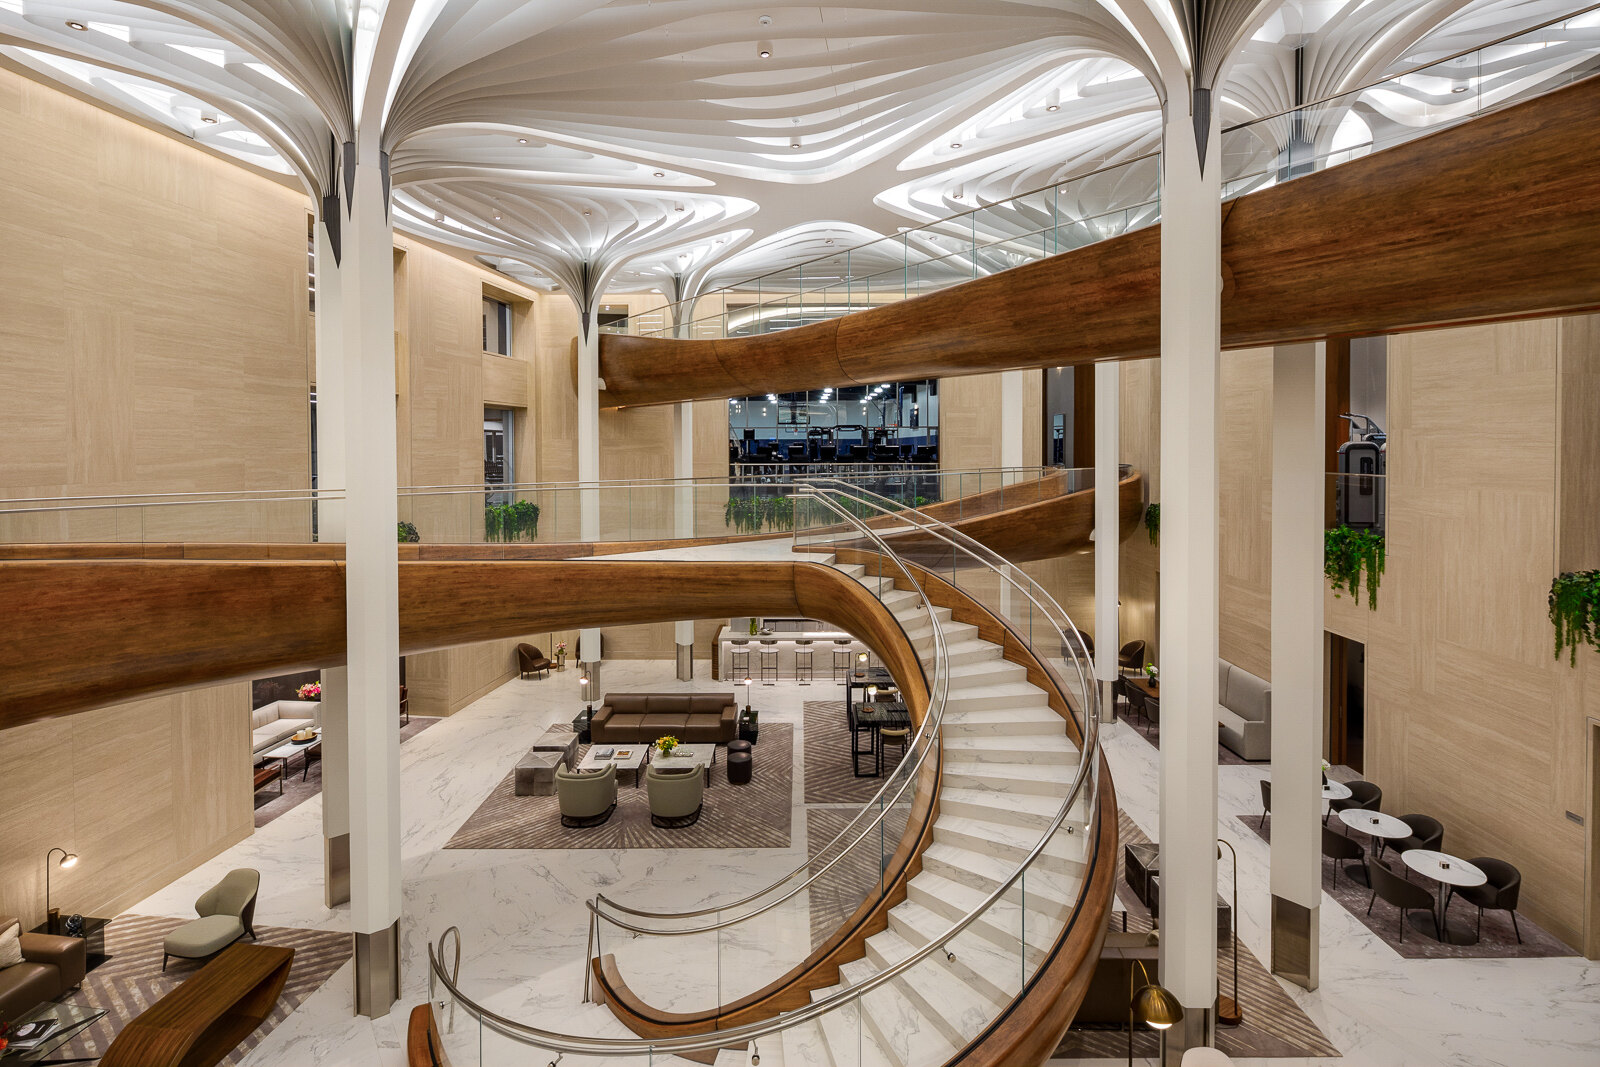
(1152, 523)
(1346, 553)
(510, 522)
(1575, 612)
(407, 533)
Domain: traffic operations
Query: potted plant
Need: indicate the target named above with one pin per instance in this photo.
(309, 691)
(665, 745)
(407, 534)
(754, 626)
(1151, 672)
(561, 655)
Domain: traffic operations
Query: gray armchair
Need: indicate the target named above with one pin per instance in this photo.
(227, 912)
(676, 796)
(586, 798)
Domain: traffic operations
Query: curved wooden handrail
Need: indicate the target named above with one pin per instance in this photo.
(424, 1046)
(1497, 218)
(83, 634)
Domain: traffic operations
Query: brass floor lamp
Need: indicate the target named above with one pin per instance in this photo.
(1229, 1013)
(1152, 1004)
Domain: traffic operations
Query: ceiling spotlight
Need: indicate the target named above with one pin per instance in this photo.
(722, 240)
(661, 174)
(1458, 88)
(1052, 107)
(73, 24)
(497, 218)
(522, 140)
(764, 20)
(794, 144)
(438, 218)
(210, 118)
(955, 144)
(764, 49)
(586, 214)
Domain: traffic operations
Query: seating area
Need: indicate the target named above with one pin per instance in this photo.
(35, 968)
(1244, 712)
(227, 913)
(640, 718)
(273, 724)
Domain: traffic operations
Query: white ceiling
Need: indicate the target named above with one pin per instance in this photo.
(650, 139)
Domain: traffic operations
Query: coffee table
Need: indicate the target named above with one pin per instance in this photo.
(71, 1020)
(284, 752)
(623, 757)
(702, 756)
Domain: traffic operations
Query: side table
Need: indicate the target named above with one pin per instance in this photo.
(94, 937)
(748, 730)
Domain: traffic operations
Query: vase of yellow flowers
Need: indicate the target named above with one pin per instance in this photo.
(666, 745)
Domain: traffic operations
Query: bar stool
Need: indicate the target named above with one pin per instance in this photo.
(841, 659)
(739, 659)
(769, 665)
(802, 662)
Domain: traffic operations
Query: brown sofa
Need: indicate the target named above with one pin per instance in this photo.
(50, 967)
(640, 718)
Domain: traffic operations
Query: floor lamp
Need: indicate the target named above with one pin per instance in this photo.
(1229, 1013)
(68, 861)
(1152, 1004)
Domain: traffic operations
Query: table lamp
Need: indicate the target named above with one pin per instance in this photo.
(872, 694)
(861, 663)
(67, 861)
(747, 694)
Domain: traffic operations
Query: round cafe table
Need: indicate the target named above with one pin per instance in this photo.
(1336, 791)
(1447, 870)
(1375, 824)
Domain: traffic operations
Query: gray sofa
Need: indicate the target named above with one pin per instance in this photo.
(272, 724)
(1244, 712)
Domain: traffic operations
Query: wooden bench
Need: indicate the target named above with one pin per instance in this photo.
(204, 1019)
(267, 772)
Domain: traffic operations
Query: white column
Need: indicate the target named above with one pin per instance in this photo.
(1013, 428)
(1299, 414)
(331, 475)
(589, 456)
(371, 583)
(1191, 282)
(683, 519)
(1107, 530)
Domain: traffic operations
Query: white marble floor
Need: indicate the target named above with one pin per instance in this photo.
(1381, 1010)
(521, 914)
(524, 924)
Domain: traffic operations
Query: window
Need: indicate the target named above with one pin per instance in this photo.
(499, 455)
(496, 326)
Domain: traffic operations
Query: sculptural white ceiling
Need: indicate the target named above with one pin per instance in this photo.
(678, 144)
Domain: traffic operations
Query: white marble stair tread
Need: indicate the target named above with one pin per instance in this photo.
(1042, 779)
(960, 652)
(802, 1046)
(985, 966)
(1008, 843)
(1005, 696)
(1016, 748)
(1030, 811)
(958, 1009)
(910, 1037)
(953, 632)
(959, 719)
(999, 670)
(848, 1040)
(1001, 924)
(854, 570)
(1049, 882)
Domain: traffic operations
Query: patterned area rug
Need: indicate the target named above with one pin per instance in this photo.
(132, 980)
(1273, 1025)
(304, 780)
(1499, 940)
(756, 815)
(829, 775)
(835, 896)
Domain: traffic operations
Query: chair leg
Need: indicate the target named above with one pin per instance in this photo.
(1374, 899)
(1514, 926)
(163, 961)
(1480, 924)
(1402, 926)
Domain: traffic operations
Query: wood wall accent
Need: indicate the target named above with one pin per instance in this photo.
(1469, 717)
(1372, 246)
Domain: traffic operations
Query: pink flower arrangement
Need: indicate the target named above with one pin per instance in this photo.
(310, 691)
(561, 648)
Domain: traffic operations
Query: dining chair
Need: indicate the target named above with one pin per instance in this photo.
(1499, 893)
(1136, 702)
(1364, 795)
(1338, 848)
(1402, 894)
(1426, 832)
(1266, 802)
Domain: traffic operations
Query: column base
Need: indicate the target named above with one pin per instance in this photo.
(377, 957)
(685, 663)
(1294, 941)
(1108, 700)
(336, 870)
(1192, 1031)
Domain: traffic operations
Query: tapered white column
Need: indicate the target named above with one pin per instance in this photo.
(589, 461)
(1013, 428)
(371, 581)
(683, 519)
(1107, 530)
(331, 476)
(1191, 283)
(1298, 416)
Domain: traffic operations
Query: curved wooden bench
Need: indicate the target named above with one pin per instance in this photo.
(204, 1019)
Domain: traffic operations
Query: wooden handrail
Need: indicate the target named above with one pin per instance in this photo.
(424, 1047)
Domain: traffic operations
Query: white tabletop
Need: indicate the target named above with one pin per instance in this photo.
(686, 756)
(1336, 791)
(1433, 865)
(290, 748)
(1374, 823)
(630, 762)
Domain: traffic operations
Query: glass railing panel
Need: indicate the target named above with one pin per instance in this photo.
(266, 517)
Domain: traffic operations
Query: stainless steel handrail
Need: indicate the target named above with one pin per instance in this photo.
(927, 732)
(310, 497)
(567, 1043)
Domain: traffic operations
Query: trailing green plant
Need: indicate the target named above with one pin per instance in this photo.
(1152, 523)
(511, 522)
(748, 514)
(1346, 553)
(1575, 612)
(407, 533)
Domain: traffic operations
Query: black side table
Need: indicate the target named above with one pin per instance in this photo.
(94, 936)
(581, 725)
(749, 731)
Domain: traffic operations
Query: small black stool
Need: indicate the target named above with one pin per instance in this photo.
(738, 746)
(740, 765)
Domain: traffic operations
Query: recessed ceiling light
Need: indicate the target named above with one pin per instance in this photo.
(209, 117)
(497, 218)
(1459, 89)
(764, 50)
(721, 240)
(522, 140)
(678, 207)
(438, 218)
(73, 24)
(586, 214)
(1052, 107)
(794, 144)
(955, 144)
(661, 174)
